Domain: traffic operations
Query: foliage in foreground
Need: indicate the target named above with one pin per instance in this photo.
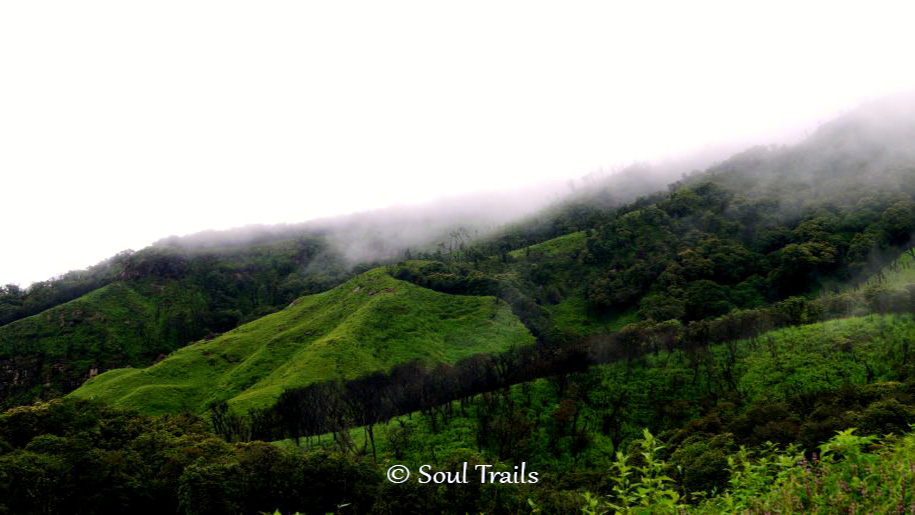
(78, 457)
(74, 456)
(849, 474)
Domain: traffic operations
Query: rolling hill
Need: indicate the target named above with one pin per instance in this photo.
(369, 323)
(149, 303)
(122, 323)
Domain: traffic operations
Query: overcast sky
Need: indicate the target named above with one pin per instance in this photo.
(124, 122)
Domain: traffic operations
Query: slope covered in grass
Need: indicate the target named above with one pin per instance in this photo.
(896, 275)
(143, 304)
(556, 267)
(119, 324)
(561, 246)
(545, 283)
(371, 322)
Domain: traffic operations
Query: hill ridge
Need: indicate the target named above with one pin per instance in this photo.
(371, 322)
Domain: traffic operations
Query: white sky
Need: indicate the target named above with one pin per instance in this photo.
(123, 122)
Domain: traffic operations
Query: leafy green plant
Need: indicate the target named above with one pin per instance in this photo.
(640, 488)
(852, 474)
(750, 477)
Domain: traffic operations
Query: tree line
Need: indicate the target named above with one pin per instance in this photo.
(334, 407)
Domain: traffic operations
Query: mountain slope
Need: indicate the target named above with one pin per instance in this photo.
(762, 226)
(150, 303)
(668, 388)
(52, 353)
(371, 322)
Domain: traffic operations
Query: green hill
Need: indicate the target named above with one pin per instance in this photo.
(371, 322)
(119, 324)
(554, 271)
(149, 303)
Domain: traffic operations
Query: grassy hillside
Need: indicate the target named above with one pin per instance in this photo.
(148, 303)
(896, 275)
(554, 273)
(563, 246)
(119, 324)
(371, 322)
(545, 283)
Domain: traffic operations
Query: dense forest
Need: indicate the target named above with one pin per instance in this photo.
(733, 339)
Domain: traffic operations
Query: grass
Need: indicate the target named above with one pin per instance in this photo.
(370, 323)
(87, 320)
(896, 275)
(117, 324)
(573, 315)
(560, 246)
